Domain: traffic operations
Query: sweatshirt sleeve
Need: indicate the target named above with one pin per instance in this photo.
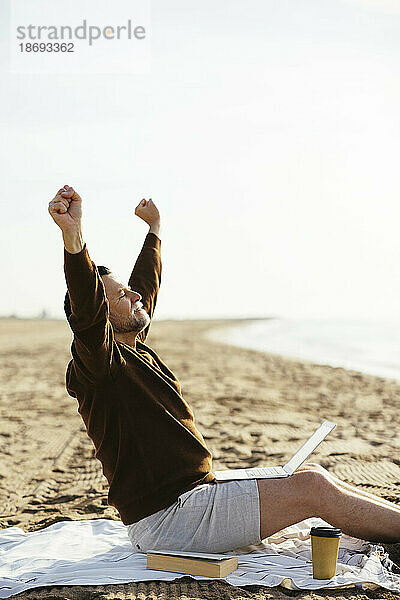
(95, 353)
(146, 277)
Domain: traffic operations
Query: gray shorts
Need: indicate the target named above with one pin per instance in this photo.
(213, 517)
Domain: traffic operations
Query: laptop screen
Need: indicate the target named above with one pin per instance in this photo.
(309, 446)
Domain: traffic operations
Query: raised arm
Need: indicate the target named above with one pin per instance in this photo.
(146, 274)
(93, 349)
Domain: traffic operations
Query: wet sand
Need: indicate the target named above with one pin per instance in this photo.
(253, 408)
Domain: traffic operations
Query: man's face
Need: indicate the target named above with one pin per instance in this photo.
(126, 312)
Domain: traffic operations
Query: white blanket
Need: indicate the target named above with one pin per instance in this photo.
(98, 551)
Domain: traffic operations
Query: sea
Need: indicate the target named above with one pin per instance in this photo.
(369, 346)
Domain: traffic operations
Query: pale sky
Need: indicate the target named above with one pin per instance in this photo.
(267, 133)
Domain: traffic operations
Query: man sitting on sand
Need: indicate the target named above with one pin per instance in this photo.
(156, 461)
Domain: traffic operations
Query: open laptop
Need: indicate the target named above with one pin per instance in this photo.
(289, 468)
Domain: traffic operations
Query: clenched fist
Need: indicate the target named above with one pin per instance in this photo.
(66, 208)
(148, 211)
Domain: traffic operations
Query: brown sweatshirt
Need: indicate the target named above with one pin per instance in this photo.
(131, 403)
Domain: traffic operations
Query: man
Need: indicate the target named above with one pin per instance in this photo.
(156, 461)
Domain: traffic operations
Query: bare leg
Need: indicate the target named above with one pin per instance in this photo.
(360, 516)
(346, 486)
(308, 493)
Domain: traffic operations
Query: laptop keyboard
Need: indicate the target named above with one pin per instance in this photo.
(262, 471)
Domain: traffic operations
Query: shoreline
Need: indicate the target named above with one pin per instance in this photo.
(322, 352)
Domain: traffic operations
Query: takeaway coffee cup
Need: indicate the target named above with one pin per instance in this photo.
(325, 548)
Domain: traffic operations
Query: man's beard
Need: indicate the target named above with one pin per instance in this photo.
(133, 323)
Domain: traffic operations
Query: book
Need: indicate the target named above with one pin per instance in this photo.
(192, 563)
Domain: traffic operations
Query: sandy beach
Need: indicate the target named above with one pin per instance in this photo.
(252, 408)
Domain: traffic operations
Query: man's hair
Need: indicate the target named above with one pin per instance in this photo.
(67, 303)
